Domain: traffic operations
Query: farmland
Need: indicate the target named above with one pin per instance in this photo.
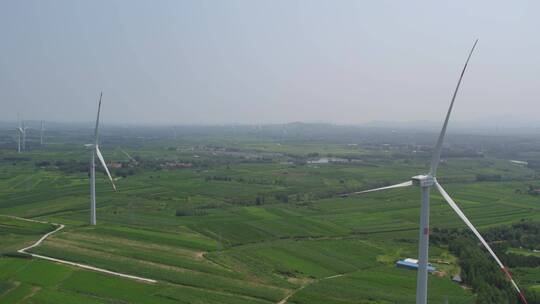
(249, 217)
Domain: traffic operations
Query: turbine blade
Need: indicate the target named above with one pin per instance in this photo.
(97, 119)
(460, 213)
(405, 184)
(438, 147)
(100, 156)
(129, 156)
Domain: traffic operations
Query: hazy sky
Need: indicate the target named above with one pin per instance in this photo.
(267, 61)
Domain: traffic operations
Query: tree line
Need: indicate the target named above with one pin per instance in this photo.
(480, 272)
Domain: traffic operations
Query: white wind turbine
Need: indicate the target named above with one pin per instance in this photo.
(426, 182)
(23, 130)
(95, 151)
(20, 132)
(42, 132)
(129, 156)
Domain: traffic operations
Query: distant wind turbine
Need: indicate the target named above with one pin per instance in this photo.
(96, 151)
(426, 182)
(129, 156)
(20, 132)
(24, 128)
(42, 132)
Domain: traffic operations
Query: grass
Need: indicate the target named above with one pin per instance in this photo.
(379, 285)
(273, 227)
(523, 251)
(15, 233)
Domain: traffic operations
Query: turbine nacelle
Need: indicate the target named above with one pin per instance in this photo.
(423, 180)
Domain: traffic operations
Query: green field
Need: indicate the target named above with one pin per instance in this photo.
(249, 221)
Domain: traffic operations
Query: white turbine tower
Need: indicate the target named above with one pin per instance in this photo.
(20, 132)
(425, 182)
(42, 132)
(24, 136)
(95, 151)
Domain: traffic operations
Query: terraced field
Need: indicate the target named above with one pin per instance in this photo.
(16, 234)
(243, 228)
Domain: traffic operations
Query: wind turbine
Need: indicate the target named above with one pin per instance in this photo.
(24, 128)
(129, 156)
(42, 132)
(425, 182)
(95, 151)
(20, 132)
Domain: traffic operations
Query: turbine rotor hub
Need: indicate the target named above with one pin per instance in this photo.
(423, 180)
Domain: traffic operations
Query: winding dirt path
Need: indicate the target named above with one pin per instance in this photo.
(79, 265)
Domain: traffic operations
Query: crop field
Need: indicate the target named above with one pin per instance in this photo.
(242, 219)
(15, 232)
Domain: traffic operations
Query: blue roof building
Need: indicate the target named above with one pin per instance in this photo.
(411, 264)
